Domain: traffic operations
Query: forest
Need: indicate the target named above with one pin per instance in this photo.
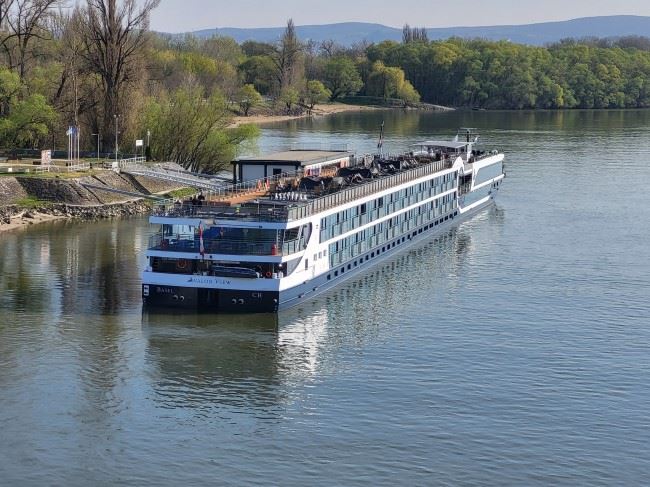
(97, 66)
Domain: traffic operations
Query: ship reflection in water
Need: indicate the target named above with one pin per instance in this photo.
(231, 361)
(262, 362)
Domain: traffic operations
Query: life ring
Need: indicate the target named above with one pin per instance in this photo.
(181, 264)
(268, 274)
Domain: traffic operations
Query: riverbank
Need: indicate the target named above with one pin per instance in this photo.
(318, 111)
(14, 217)
(28, 200)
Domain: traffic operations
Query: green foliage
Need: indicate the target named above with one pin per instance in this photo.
(487, 74)
(25, 119)
(248, 98)
(31, 202)
(389, 82)
(342, 77)
(315, 93)
(407, 93)
(288, 98)
(260, 72)
(193, 130)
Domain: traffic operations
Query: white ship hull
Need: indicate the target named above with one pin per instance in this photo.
(328, 256)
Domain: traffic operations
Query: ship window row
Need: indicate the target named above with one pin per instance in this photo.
(230, 240)
(350, 218)
(390, 245)
(348, 248)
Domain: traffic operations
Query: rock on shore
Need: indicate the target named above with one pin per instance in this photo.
(13, 216)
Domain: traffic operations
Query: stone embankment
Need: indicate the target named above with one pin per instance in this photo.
(28, 200)
(14, 216)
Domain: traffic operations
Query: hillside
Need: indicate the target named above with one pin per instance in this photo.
(535, 34)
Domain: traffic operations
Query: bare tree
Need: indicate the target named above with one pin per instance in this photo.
(5, 8)
(115, 34)
(287, 57)
(22, 21)
(414, 34)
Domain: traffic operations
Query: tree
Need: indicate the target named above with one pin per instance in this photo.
(259, 71)
(414, 34)
(408, 94)
(315, 92)
(289, 97)
(114, 37)
(188, 128)
(342, 77)
(287, 58)
(248, 98)
(25, 119)
(22, 21)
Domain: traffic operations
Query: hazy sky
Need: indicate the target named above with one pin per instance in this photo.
(186, 15)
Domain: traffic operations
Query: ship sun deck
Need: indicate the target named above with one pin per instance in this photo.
(290, 197)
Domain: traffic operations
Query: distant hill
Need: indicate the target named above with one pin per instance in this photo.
(348, 33)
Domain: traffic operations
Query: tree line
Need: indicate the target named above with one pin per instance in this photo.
(97, 66)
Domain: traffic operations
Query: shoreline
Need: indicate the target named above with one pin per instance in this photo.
(14, 217)
(318, 111)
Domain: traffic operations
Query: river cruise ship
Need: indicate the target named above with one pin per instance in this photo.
(296, 223)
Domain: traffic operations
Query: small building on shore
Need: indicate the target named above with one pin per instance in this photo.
(300, 161)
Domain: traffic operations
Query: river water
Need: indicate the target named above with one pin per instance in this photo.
(514, 350)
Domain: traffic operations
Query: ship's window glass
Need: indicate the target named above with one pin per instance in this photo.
(342, 270)
(306, 264)
(336, 273)
(349, 266)
(363, 208)
(315, 257)
(320, 254)
(329, 277)
(324, 253)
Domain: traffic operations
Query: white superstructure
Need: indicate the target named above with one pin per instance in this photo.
(267, 244)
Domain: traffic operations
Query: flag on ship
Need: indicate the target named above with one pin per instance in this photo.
(201, 247)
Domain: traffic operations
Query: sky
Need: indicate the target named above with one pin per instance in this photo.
(189, 15)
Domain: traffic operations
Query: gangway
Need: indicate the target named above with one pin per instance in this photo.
(183, 178)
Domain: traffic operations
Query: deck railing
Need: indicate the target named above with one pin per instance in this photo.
(365, 189)
(216, 204)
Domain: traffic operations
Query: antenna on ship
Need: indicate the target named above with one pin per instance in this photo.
(380, 144)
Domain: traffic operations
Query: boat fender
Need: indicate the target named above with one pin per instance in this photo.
(181, 264)
(268, 274)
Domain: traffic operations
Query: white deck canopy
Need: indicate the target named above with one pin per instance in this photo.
(442, 143)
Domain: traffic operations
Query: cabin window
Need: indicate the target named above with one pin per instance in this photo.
(306, 264)
(277, 171)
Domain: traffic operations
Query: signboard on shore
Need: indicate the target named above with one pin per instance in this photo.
(139, 143)
(46, 157)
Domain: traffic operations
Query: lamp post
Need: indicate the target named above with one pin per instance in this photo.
(117, 117)
(97, 146)
(147, 150)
